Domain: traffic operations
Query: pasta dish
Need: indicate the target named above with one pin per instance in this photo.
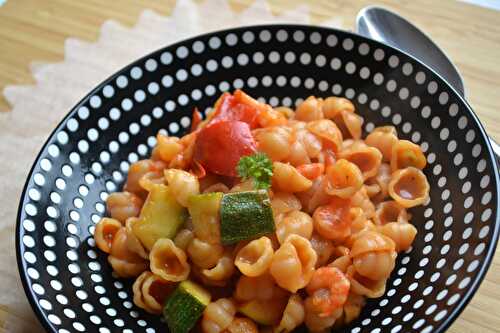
(265, 219)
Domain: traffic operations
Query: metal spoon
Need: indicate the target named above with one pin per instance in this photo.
(388, 27)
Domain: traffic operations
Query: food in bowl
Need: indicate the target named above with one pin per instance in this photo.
(265, 219)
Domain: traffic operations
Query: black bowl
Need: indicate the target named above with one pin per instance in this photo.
(68, 281)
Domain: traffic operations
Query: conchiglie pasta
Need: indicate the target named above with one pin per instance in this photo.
(122, 205)
(218, 315)
(298, 154)
(137, 170)
(362, 200)
(204, 254)
(294, 222)
(150, 292)
(382, 179)
(383, 138)
(344, 179)
(367, 159)
(293, 264)
(342, 259)
(409, 187)
(255, 258)
(285, 111)
(270, 117)
(371, 241)
(182, 184)
(328, 131)
(168, 147)
(168, 261)
(364, 286)
(275, 142)
(286, 178)
(312, 144)
(183, 239)
(375, 265)
(283, 202)
(349, 124)
(373, 255)
(315, 196)
(390, 211)
(323, 247)
(352, 309)
(223, 269)
(293, 316)
(150, 179)
(407, 154)
(104, 233)
(310, 109)
(403, 234)
(260, 288)
(333, 106)
(125, 263)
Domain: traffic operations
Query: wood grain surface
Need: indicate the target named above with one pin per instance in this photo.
(33, 31)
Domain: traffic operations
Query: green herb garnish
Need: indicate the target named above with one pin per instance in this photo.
(257, 167)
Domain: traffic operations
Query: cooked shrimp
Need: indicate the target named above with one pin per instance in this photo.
(329, 288)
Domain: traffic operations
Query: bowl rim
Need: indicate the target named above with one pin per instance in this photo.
(457, 309)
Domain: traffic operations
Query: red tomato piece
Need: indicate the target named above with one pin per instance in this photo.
(195, 119)
(220, 145)
(232, 108)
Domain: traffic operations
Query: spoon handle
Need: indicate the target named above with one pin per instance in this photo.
(372, 22)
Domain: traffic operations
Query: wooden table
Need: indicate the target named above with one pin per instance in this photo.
(35, 30)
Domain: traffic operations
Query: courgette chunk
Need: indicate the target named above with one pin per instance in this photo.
(185, 306)
(245, 215)
(161, 216)
(204, 210)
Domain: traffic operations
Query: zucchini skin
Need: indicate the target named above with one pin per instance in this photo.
(182, 310)
(245, 215)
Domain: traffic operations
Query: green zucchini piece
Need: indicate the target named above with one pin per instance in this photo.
(245, 215)
(204, 210)
(161, 217)
(185, 306)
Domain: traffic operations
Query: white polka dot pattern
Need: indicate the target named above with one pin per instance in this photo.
(71, 283)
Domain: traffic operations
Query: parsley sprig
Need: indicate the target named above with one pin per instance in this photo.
(257, 167)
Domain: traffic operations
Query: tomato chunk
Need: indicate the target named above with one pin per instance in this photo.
(220, 145)
(237, 107)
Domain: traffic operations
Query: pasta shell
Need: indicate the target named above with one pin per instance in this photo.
(371, 241)
(293, 263)
(364, 286)
(409, 187)
(344, 179)
(309, 110)
(390, 211)
(328, 131)
(168, 261)
(286, 178)
(367, 159)
(403, 234)
(384, 139)
(104, 233)
(255, 258)
(333, 106)
(407, 154)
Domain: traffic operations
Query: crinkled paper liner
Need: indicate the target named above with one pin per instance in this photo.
(36, 109)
